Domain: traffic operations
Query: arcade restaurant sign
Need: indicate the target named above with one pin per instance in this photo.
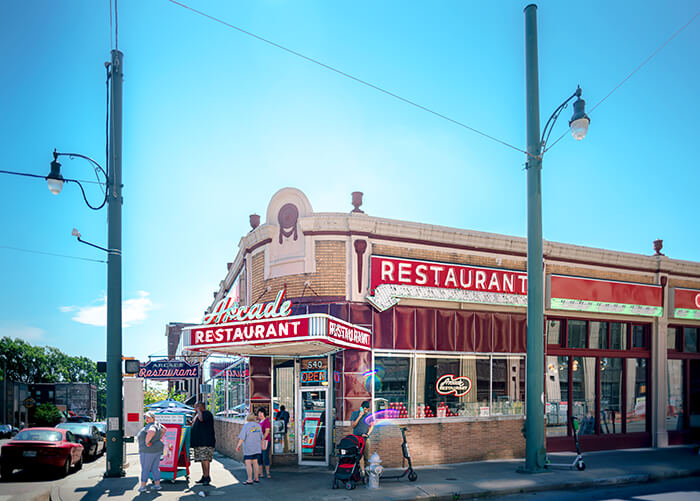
(169, 369)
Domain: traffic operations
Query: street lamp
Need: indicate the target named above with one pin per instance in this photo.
(535, 453)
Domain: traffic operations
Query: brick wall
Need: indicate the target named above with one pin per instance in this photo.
(448, 257)
(687, 284)
(447, 442)
(327, 280)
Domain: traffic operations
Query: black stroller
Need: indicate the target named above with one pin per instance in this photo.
(349, 455)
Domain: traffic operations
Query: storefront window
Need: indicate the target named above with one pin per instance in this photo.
(576, 334)
(598, 339)
(690, 340)
(393, 387)
(618, 336)
(554, 332)
(508, 385)
(638, 336)
(672, 338)
(435, 395)
(674, 412)
(557, 391)
(283, 396)
(636, 404)
(610, 395)
(583, 372)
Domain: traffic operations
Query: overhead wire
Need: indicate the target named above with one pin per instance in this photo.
(643, 63)
(20, 249)
(347, 75)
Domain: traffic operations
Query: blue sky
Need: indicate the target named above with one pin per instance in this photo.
(215, 122)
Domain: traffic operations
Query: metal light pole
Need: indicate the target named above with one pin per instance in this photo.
(534, 425)
(535, 453)
(115, 425)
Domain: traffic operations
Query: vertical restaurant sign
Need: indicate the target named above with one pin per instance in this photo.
(686, 303)
(393, 278)
(604, 296)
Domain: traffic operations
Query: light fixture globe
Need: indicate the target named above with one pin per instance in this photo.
(579, 121)
(55, 179)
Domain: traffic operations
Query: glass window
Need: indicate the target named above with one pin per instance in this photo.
(508, 385)
(639, 336)
(557, 391)
(610, 395)
(618, 336)
(393, 387)
(636, 405)
(676, 380)
(576, 334)
(598, 338)
(583, 372)
(690, 340)
(672, 338)
(554, 332)
(283, 398)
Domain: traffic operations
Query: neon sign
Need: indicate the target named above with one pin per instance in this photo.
(451, 384)
(227, 310)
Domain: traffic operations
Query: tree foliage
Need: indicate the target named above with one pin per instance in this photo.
(47, 415)
(25, 363)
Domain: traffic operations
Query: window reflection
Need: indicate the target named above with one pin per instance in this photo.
(557, 391)
(508, 385)
(393, 387)
(554, 332)
(610, 393)
(583, 371)
(672, 338)
(674, 412)
(618, 336)
(690, 340)
(636, 404)
(576, 334)
(598, 336)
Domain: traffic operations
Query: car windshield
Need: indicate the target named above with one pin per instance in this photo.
(77, 428)
(40, 435)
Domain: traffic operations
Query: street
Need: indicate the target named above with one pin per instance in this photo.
(28, 486)
(678, 489)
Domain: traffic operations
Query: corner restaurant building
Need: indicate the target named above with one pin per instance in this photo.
(428, 323)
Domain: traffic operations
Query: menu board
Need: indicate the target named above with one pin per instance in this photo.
(171, 441)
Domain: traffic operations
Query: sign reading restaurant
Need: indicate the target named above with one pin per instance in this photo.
(393, 278)
(169, 369)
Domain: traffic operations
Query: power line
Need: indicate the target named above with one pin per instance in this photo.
(633, 72)
(347, 75)
(31, 251)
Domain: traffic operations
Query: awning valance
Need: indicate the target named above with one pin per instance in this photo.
(301, 335)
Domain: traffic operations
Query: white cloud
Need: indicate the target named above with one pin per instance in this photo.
(134, 311)
(25, 332)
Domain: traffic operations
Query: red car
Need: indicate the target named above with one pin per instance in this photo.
(41, 447)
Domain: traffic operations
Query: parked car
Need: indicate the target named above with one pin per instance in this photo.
(102, 428)
(7, 431)
(34, 448)
(78, 419)
(88, 435)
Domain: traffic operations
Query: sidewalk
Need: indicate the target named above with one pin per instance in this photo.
(448, 482)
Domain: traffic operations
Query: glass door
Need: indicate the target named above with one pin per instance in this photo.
(312, 427)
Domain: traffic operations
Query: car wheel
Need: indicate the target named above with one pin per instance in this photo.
(65, 469)
(79, 464)
(6, 472)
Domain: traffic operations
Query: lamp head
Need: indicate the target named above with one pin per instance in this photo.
(55, 179)
(579, 121)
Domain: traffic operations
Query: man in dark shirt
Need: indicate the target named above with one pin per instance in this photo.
(203, 440)
(283, 416)
(361, 427)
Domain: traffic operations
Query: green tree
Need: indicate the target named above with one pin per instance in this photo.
(152, 395)
(47, 415)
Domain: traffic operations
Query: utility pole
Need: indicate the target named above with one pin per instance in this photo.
(115, 425)
(534, 426)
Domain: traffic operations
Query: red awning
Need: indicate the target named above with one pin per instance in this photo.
(302, 335)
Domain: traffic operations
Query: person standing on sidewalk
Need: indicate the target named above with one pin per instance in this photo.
(203, 440)
(266, 440)
(250, 438)
(150, 450)
(361, 428)
(283, 416)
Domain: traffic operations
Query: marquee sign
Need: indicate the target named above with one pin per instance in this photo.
(449, 384)
(603, 296)
(686, 303)
(169, 369)
(228, 310)
(394, 278)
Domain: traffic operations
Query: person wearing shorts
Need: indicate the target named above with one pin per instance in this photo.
(250, 438)
(266, 440)
(203, 440)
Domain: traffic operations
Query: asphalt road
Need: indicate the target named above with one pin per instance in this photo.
(680, 489)
(36, 485)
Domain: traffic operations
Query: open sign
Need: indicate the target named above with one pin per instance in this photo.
(314, 376)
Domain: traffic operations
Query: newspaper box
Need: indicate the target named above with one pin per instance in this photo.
(175, 461)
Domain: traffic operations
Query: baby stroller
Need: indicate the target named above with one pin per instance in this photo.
(349, 455)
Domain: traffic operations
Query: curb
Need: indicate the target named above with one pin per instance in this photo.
(640, 478)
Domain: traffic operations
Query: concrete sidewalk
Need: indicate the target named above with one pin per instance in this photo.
(448, 482)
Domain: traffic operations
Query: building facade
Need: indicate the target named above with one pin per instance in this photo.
(428, 323)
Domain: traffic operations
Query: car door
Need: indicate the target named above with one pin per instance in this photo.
(73, 447)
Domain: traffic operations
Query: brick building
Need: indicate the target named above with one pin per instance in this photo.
(428, 324)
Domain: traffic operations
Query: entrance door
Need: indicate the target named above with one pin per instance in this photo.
(312, 427)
